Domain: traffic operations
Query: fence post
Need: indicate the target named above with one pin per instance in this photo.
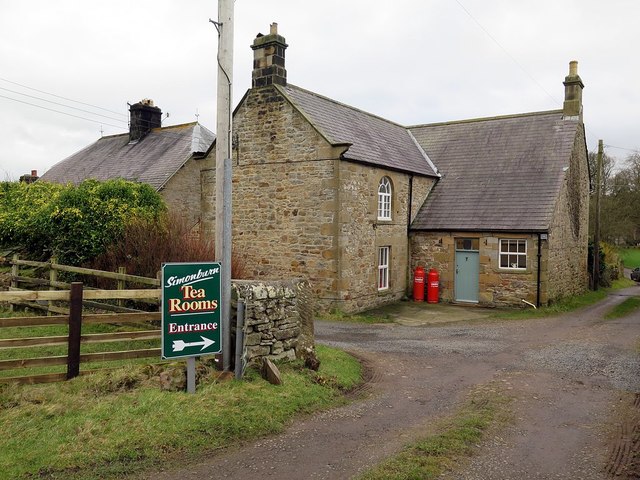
(14, 274)
(121, 284)
(75, 331)
(53, 277)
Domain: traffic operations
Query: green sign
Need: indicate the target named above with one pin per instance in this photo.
(190, 309)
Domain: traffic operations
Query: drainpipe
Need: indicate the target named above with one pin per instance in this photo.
(539, 269)
(410, 197)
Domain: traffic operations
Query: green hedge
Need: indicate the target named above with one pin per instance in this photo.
(74, 223)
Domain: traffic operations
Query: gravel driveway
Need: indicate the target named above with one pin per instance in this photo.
(573, 379)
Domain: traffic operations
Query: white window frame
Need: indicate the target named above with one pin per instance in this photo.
(513, 258)
(384, 253)
(384, 199)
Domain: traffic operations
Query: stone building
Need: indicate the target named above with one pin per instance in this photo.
(353, 202)
(167, 158)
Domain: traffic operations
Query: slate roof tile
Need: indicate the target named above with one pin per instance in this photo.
(154, 159)
(502, 173)
(373, 139)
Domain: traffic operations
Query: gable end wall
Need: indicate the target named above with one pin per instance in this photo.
(284, 194)
(568, 232)
(182, 192)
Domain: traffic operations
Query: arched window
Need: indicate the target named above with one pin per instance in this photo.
(384, 199)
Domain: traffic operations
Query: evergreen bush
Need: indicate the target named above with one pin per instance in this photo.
(74, 223)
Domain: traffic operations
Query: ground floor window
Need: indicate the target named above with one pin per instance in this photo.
(383, 268)
(513, 254)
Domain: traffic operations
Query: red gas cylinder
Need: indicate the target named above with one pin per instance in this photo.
(418, 285)
(433, 286)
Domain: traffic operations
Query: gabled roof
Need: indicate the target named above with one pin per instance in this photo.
(501, 173)
(371, 139)
(154, 159)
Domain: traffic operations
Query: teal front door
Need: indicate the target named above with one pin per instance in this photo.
(467, 270)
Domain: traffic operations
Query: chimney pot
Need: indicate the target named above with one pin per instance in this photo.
(573, 68)
(34, 173)
(273, 30)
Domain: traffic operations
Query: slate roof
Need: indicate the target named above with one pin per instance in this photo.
(502, 173)
(154, 159)
(372, 139)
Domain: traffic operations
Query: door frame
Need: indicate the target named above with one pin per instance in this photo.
(469, 245)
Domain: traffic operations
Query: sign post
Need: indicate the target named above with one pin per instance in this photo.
(191, 312)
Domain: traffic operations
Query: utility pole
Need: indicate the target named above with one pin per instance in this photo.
(224, 25)
(596, 226)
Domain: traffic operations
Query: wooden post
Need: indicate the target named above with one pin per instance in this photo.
(121, 284)
(53, 277)
(14, 276)
(75, 331)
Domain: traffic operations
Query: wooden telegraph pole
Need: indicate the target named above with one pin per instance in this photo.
(224, 25)
(596, 226)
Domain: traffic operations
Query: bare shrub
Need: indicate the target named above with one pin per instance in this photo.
(146, 244)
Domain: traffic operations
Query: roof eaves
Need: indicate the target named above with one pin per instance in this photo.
(170, 176)
(384, 167)
(484, 230)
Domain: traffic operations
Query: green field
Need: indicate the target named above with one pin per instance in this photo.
(630, 257)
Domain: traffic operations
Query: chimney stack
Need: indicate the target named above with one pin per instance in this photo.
(143, 116)
(573, 86)
(268, 59)
(29, 178)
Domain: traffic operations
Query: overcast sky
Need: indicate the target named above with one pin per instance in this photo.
(411, 61)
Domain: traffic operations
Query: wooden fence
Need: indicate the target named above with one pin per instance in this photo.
(75, 319)
(53, 267)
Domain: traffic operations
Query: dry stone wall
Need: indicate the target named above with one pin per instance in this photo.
(278, 319)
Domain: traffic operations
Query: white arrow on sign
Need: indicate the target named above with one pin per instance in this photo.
(179, 345)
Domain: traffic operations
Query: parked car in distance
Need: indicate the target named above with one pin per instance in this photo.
(635, 274)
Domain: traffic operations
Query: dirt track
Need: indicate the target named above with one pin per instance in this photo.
(573, 379)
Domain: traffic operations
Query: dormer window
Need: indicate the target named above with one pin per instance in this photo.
(384, 199)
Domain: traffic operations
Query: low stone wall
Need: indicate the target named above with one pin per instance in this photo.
(278, 321)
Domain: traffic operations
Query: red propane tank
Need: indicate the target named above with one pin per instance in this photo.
(433, 286)
(418, 285)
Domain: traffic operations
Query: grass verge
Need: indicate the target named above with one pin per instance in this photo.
(454, 439)
(630, 257)
(623, 309)
(565, 305)
(113, 424)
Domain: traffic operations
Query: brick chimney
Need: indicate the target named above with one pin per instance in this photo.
(268, 59)
(573, 86)
(29, 178)
(143, 116)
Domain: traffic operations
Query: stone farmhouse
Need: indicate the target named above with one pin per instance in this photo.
(167, 158)
(354, 202)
